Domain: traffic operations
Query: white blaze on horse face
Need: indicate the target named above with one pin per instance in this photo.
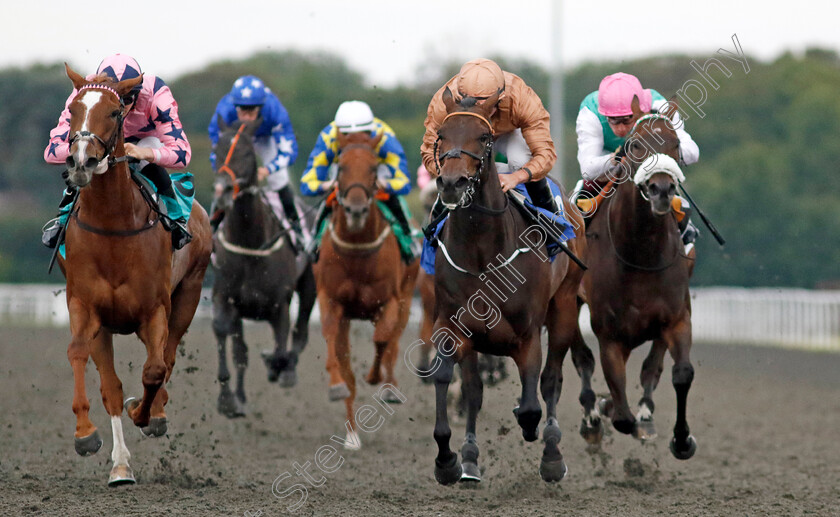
(89, 100)
(119, 453)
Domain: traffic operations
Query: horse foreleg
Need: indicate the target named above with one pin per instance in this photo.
(529, 412)
(306, 301)
(683, 445)
(385, 336)
(278, 361)
(342, 355)
(447, 468)
(223, 325)
(153, 334)
(552, 466)
(240, 361)
(473, 391)
(84, 326)
(651, 371)
(333, 325)
(614, 363)
(102, 352)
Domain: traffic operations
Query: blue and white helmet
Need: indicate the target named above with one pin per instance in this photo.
(248, 90)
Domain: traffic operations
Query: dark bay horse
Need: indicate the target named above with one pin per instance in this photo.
(360, 275)
(122, 275)
(256, 271)
(494, 296)
(638, 278)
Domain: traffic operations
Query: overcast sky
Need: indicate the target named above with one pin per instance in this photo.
(387, 40)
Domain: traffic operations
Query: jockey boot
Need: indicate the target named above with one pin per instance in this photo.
(541, 197)
(395, 204)
(312, 248)
(436, 212)
(52, 231)
(172, 217)
(688, 232)
(287, 199)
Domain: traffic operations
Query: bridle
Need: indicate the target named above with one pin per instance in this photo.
(456, 152)
(225, 168)
(88, 136)
(370, 193)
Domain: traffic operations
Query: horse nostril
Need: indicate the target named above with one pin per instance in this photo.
(91, 162)
(672, 190)
(653, 189)
(439, 182)
(70, 162)
(462, 182)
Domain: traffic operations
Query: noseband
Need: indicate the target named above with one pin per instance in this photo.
(88, 136)
(456, 152)
(225, 168)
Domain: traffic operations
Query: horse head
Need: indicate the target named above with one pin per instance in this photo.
(357, 174)
(652, 153)
(464, 148)
(239, 170)
(96, 117)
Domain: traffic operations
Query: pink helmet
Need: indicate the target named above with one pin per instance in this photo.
(615, 95)
(120, 67)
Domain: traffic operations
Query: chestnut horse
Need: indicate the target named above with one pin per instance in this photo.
(257, 271)
(494, 296)
(637, 283)
(122, 275)
(360, 275)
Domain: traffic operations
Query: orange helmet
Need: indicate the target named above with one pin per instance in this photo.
(480, 78)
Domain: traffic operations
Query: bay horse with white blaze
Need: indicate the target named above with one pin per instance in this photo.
(482, 237)
(257, 271)
(638, 279)
(360, 275)
(122, 275)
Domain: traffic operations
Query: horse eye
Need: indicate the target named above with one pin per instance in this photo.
(115, 113)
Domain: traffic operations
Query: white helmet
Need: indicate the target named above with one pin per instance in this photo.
(353, 117)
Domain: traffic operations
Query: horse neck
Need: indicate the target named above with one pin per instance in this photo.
(250, 222)
(112, 199)
(635, 230)
(487, 234)
(369, 232)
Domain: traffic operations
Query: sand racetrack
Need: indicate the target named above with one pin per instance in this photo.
(766, 422)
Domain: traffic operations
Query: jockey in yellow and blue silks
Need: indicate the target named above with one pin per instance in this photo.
(353, 117)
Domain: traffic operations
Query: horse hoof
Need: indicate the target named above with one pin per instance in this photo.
(388, 395)
(449, 473)
(156, 428)
(645, 430)
(529, 422)
(229, 406)
(352, 442)
(88, 445)
(288, 378)
(470, 473)
(592, 430)
(121, 475)
(686, 451)
(339, 392)
(553, 471)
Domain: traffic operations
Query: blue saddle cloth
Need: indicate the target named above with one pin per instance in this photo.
(427, 258)
(178, 207)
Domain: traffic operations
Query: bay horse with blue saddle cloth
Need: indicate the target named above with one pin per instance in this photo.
(495, 290)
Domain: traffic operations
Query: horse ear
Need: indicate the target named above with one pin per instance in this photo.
(78, 80)
(448, 100)
(374, 142)
(341, 138)
(671, 107)
(637, 111)
(490, 103)
(220, 121)
(123, 87)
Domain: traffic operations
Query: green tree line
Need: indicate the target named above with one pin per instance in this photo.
(767, 175)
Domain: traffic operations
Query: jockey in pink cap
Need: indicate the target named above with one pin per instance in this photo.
(603, 124)
(153, 134)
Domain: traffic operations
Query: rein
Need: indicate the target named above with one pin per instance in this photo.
(225, 168)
